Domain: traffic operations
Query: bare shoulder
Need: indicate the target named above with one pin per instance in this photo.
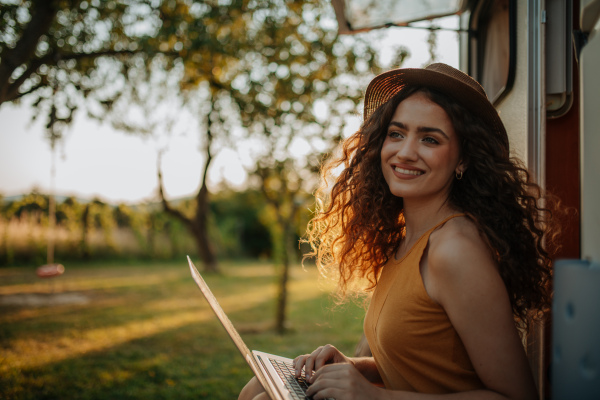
(459, 258)
(458, 241)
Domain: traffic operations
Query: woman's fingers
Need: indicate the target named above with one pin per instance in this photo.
(298, 364)
(310, 365)
(306, 361)
(324, 387)
(314, 361)
(341, 381)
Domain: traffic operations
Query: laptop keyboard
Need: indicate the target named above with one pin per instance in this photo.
(297, 387)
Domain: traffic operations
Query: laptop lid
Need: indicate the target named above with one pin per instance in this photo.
(233, 333)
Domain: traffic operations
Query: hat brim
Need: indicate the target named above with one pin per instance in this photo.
(450, 82)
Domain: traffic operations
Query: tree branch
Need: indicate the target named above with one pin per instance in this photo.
(201, 197)
(16, 96)
(166, 206)
(43, 13)
(10, 91)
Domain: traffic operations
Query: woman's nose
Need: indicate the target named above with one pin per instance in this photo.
(407, 149)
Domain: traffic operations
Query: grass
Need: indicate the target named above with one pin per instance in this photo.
(145, 331)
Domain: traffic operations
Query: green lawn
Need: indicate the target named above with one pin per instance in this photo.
(110, 331)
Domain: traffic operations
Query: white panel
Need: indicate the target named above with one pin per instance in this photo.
(513, 107)
(590, 146)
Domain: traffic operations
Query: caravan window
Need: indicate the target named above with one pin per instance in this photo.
(492, 46)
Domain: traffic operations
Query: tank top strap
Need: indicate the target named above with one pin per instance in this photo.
(425, 238)
(444, 221)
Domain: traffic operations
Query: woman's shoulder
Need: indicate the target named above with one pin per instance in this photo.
(459, 259)
(458, 244)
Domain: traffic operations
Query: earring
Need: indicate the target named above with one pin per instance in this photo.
(459, 175)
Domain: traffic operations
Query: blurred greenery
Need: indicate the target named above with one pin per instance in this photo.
(93, 230)
(143, 330)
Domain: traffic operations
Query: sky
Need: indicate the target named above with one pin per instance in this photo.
(94, 160)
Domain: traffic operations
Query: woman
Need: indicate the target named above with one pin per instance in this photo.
(446, 229)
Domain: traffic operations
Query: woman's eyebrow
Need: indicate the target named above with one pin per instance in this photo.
(420, 129)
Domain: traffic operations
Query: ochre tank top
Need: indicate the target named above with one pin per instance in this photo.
(414, 345)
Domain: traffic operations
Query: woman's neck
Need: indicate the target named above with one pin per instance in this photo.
(421, 216)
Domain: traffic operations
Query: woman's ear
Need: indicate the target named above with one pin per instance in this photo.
(461, 167)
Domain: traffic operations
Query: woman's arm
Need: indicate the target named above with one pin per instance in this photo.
(463, 278)
(366, 366)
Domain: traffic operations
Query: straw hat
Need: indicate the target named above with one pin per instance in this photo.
(441, 77)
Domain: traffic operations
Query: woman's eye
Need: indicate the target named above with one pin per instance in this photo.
(394, 134)
(430, 140)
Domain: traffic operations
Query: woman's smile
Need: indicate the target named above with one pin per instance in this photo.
(407, 171)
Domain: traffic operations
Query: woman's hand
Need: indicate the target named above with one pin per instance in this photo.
(323, 355)
(342, 381)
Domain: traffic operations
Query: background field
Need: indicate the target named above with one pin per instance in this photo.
(144, 331)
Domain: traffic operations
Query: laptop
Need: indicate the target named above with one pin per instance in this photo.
(275, 373)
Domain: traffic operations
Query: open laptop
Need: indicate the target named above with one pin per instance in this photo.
(275, 373)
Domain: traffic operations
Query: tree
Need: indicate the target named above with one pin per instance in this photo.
(283, 188)
(293, 81)
(157, 107)
(197, 224)
(294, 88)
(63, 55)
(285, 71)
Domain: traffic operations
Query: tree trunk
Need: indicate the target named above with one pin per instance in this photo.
(85, 227)
(198, 224)
(150, 236)
(282, 296)
(206, 253)
(200, 231)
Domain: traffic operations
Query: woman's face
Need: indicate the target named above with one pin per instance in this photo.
(421, 151)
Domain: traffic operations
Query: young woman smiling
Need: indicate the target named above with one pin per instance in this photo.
(447, 229)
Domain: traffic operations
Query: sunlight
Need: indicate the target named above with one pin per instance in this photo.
(32, 352)
(79, 283)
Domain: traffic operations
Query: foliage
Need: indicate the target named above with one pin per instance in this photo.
(93, 230)
(242, 232)
(274, 56)
(58, 53)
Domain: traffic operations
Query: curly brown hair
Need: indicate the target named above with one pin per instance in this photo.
(359, 223)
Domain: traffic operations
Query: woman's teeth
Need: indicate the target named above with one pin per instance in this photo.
(408, 171)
